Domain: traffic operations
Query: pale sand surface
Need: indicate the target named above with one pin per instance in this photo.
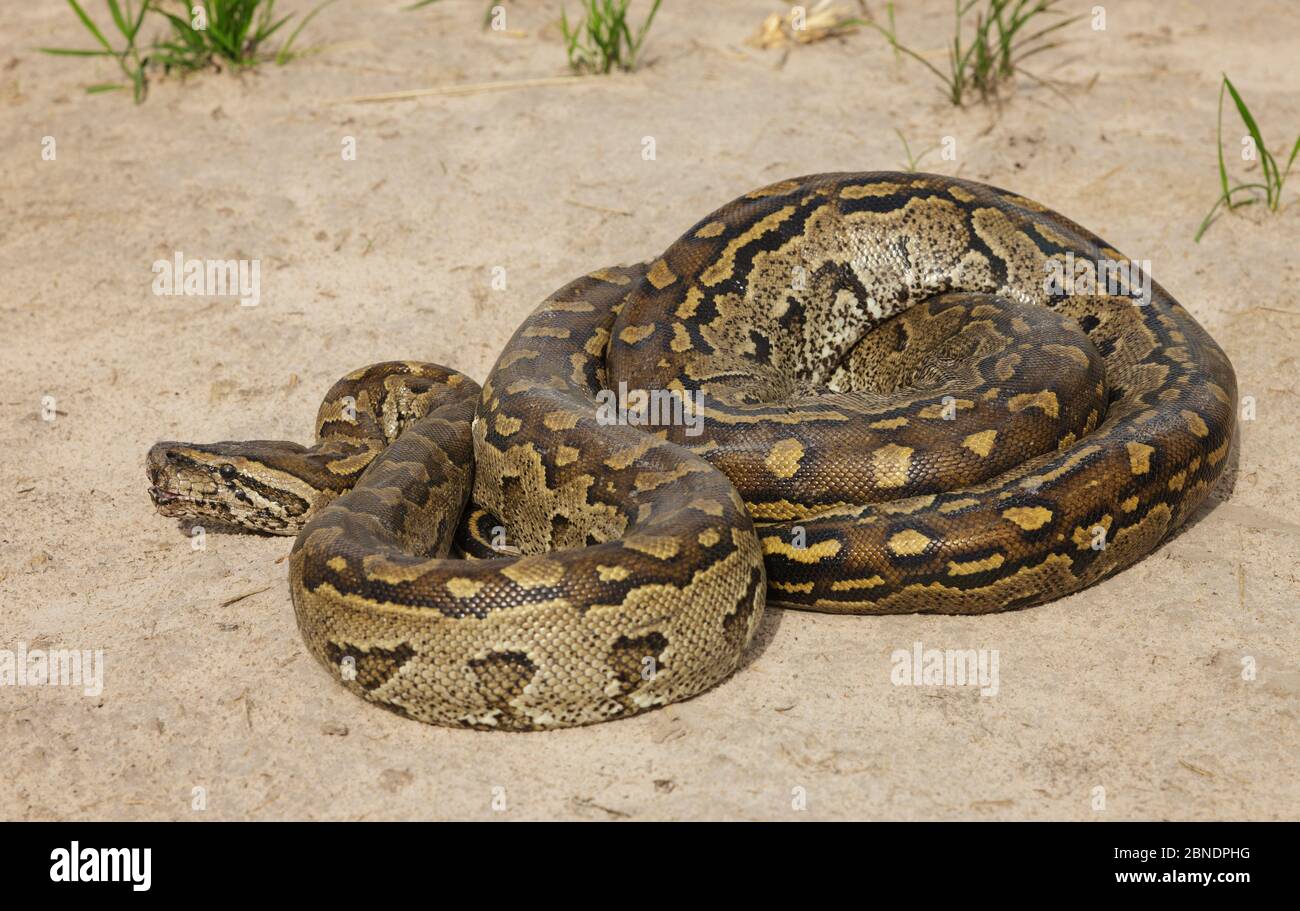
(1134, 686)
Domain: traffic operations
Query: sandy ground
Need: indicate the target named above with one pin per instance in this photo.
(1138, 686)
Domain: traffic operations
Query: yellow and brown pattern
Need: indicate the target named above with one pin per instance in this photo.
(891, 409)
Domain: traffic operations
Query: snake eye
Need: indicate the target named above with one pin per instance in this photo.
(227, 471)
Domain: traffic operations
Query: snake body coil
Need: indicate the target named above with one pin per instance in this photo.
(846, 392)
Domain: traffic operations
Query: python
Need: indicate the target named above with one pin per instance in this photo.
(946, 433)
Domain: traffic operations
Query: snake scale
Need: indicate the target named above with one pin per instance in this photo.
(843, 392)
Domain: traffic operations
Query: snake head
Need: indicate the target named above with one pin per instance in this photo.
(247, 484)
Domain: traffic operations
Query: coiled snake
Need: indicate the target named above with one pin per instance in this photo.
(845, 392)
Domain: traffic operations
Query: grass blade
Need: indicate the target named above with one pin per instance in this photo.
(1265, 159)
(116, 11)
(74, 52)
(93, 29)
(283, 55)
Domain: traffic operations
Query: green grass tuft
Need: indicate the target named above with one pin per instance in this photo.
(235, 33)
(128, 57)
(1002, 40)
(232, 32)
(602, 41)
(1274, 178)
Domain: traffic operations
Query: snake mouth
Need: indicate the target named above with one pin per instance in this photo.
(170, 503)
(162, 497)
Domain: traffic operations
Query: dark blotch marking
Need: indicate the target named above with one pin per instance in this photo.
(629, 653)
(374, 666)
(502, 677)
(794, 313)
(900, 336)
(736, 624)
